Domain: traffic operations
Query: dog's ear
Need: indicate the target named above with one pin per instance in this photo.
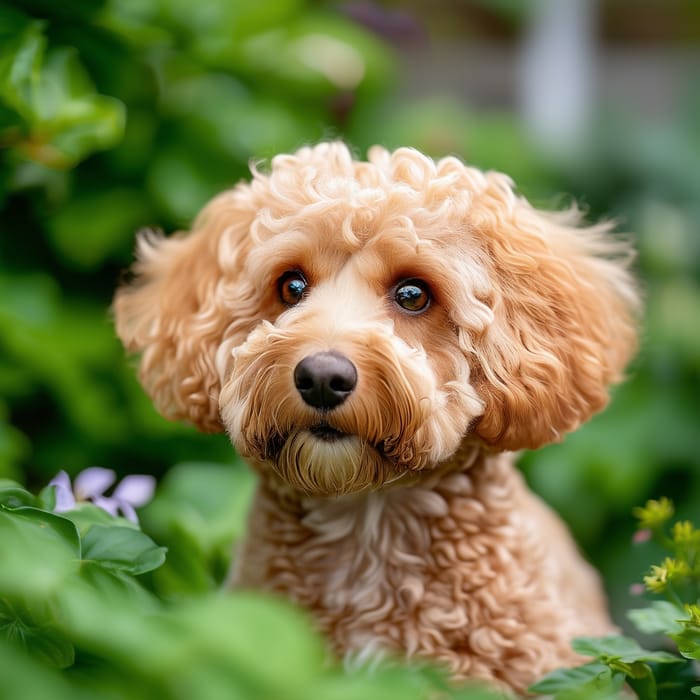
(173, 311)
(564, 327)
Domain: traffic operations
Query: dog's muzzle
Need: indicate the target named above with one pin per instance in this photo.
(324, 380)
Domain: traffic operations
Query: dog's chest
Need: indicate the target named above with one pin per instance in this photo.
(370, 567)
(362, 558)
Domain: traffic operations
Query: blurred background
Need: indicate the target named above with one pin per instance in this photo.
(118, 114)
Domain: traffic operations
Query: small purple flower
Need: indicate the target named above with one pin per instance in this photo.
(637, 589)
(641, 536)
(90, 485)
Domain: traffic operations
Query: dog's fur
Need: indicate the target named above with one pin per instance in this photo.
(412, 533)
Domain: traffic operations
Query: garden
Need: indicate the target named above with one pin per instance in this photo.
(116, 526)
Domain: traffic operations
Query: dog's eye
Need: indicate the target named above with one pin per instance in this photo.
(412, 295)
(292, 287)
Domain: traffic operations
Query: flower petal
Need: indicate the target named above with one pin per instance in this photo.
(109, 505)
(92, 482)
(136, 489)
(64, 495)
(128, 511)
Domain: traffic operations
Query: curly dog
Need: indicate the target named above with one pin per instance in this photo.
(376, 338)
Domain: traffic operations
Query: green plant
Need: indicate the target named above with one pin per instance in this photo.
(84, 612)
(617, 659)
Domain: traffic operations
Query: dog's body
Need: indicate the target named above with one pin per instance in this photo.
(375, 337)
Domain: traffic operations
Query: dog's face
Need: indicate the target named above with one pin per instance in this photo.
(349, 322)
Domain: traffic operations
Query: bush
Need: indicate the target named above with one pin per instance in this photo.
(118, 114)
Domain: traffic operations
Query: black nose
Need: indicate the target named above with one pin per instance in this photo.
(325, 379)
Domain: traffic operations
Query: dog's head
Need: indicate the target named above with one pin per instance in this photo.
(347, 322)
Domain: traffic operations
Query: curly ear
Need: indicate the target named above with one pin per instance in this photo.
(564, 326)
(173, 311)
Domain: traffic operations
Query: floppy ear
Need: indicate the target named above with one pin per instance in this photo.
(564, 325)
(173, 312)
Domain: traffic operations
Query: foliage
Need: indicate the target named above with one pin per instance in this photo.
(115, 115)
(76, 597)
(619, 659)
(118, 114)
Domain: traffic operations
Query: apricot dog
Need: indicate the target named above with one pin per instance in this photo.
(376, 338)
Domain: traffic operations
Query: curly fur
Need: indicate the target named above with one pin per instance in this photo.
(414, 533)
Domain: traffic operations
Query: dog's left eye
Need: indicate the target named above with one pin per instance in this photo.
(292, 287)
(412, 295)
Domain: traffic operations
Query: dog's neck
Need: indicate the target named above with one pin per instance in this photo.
(365, 523)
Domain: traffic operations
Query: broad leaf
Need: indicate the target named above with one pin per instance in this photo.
(564, 679)
(661, 617)
(123, 548)
(38, 551)
(620, 648)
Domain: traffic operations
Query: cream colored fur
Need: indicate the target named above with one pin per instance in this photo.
(413, 534)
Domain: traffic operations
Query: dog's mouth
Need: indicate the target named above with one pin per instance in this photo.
(327, 433)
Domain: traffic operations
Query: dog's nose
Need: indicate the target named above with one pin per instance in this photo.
(325, 379)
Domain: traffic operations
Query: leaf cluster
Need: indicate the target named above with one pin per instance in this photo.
(619, 660)
(79, 594)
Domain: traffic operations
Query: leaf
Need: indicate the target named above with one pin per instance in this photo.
(22, 676)
(644, 685)
(38, 637)
(695, 690)
(619, 648)
(13, 495)
(122, 548)
(60, 525)
(209, 501)
(38, 551)
(661, 617)
(113, 215)
(85, 515)
(61, 117)
(266, 639)
(688, 642)
(564, 679)
(20, 61)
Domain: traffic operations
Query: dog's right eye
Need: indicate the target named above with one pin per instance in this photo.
(292, 287)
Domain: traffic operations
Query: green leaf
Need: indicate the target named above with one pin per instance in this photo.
(13, 495)
(661, 617)
(39, 637)
(90, 229)
(122, 548)
(20, 62)
(619, 648)
(688, 642)
(209, 501)
(85, 515)
(643, 684)
(61, 119)
(60, 525)
(22, 676)
(565, 679)
(695, 690)
(38, 551)
(265, 639)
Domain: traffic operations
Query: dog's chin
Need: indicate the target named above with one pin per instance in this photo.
(322, 461)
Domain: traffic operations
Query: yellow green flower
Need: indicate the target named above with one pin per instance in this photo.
(669, 571)
(654, 514)
(693, 612)
(685, 534)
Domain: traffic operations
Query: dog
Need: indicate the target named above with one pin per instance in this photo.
(378, 338)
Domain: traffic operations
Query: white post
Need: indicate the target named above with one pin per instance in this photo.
(557, 74)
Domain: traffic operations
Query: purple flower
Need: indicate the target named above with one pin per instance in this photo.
(641, 536)
(90, 485)
(637, 589)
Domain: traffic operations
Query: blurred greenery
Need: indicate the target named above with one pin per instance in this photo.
(118, 114)
(73, 597)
